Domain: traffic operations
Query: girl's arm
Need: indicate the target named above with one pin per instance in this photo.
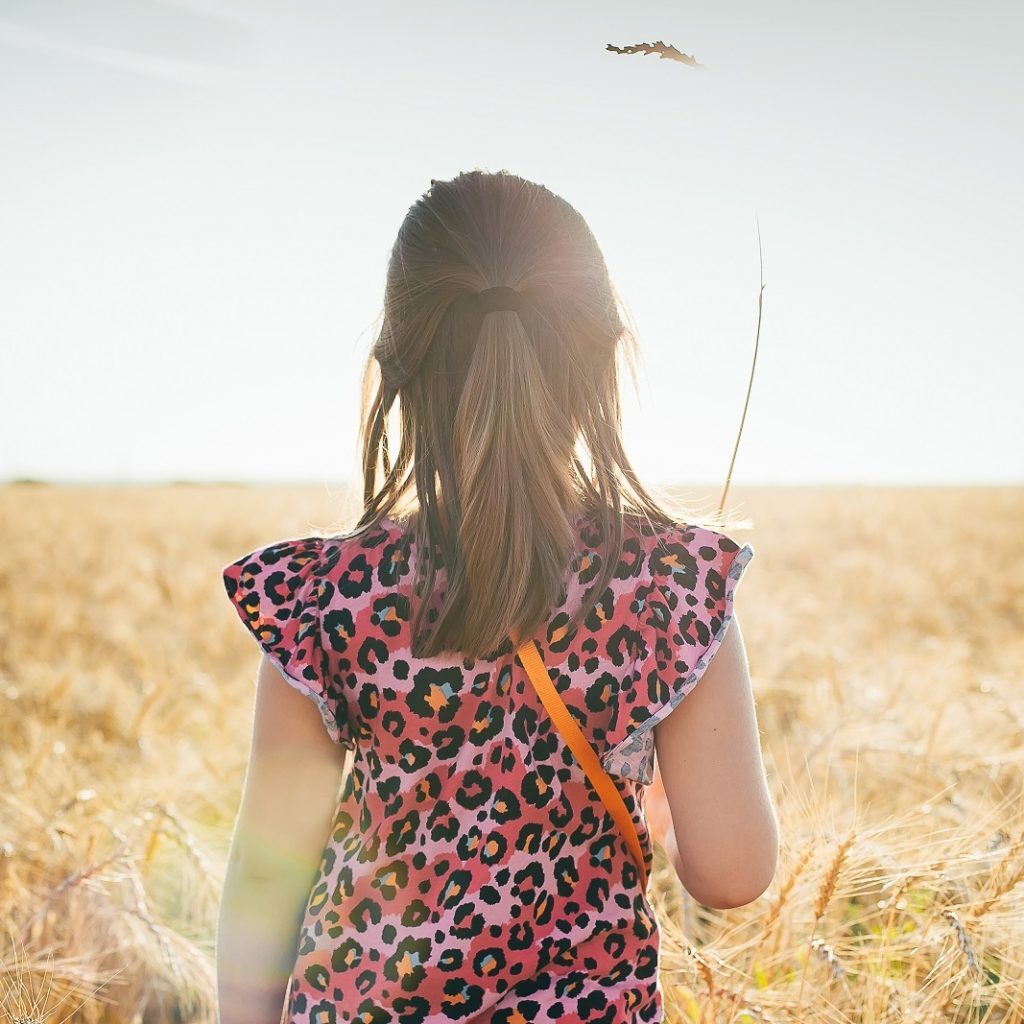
(284, 822)
(709, 755)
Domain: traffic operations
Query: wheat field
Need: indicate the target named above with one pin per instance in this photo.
(885, 635)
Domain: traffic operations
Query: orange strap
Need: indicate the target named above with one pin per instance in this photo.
(529, 655)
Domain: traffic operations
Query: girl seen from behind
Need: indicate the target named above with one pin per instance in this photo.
(416, 842)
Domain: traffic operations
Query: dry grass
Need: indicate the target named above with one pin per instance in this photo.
(884, 630)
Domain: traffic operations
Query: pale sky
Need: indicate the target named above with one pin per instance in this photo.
(197, 202)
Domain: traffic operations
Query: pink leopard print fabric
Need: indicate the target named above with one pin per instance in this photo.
(472, 872)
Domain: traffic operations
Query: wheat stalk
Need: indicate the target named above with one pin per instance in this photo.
(828, 954)
(718, 990)
(831, 876)
(774, 911)
(71, 882)
(772, 917)
(1006, 877)
(750, 380)
(824, 895)
(963, 941)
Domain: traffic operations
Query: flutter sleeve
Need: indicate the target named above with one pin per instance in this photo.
(278, 593)
(685, 604)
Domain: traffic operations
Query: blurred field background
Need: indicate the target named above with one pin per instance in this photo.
(885, 632)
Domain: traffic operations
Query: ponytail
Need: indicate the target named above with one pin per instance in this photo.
(513, 446)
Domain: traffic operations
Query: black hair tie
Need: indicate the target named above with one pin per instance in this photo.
(476, 305)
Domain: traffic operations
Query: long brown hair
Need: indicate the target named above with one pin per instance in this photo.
(492, 425)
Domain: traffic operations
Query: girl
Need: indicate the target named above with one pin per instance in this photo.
(468, 869)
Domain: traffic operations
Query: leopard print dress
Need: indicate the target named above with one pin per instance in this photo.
(472, 873)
